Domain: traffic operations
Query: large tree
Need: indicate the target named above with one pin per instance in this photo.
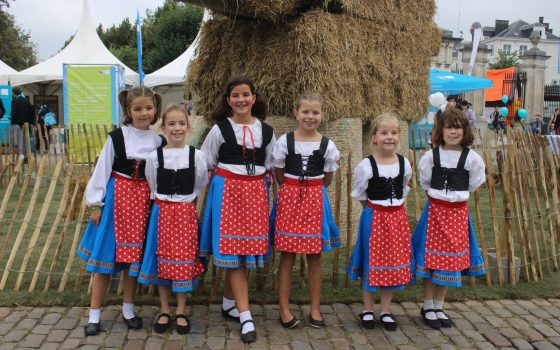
(166, 33)
(16, 48)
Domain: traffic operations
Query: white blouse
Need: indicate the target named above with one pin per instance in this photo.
(138, 144)
(449, 159)
(174, 159)
(364, 172)
(214, 140)
(280, 151)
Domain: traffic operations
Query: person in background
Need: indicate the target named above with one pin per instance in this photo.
(466, 107)
(2, 109)
(22, 112)
(554, 125)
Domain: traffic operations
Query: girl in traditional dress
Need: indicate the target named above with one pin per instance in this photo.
(304, 162)
(175, 173)
(236, 224)
(444, 245)
(118, 197)
(382, 254)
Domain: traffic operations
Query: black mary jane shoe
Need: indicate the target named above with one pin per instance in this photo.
(367, 324)
(291, 323)
(248, 337)
(227, 315)
(133, 323)
(92, 329)
(316, 323)
(434, 324)
(182, 329)
(162, 327)
(445, 322)
(391, 326)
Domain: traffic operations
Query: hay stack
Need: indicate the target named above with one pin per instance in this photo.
(361, 66)
(279, 10)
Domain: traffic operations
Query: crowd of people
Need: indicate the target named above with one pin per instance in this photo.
(143, 192)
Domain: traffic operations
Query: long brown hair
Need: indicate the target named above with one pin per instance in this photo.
(453, 118)
(222, 110)
(127, 96)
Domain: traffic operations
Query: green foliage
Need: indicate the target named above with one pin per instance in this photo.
(16, 49)
(166, 33)
(506, 60)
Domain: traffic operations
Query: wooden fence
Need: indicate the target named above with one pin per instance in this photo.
(43, 213)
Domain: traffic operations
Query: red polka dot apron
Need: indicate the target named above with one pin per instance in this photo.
(178, 241)
(447, 236)
(132, 210)
(389, 246)
(299, 216)
(244, 221)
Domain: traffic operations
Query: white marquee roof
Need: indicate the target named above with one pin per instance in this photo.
(175, 71)
(85, 48)
(5, 72)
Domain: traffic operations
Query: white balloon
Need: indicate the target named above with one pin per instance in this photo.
(437, 99)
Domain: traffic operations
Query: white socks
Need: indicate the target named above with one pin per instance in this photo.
(438, 305)
(429, 304)
(228, 304)
(249, 326)
(128, 310)
(94, 315)
(386, 319)
(368, 317)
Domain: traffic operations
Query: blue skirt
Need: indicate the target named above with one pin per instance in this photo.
(148, 273)
(445, 278)
(98, 246)
(330, 234)
(358, 265)
(210, 235)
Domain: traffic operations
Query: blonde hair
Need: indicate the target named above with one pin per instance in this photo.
(174, 108)
(383, 117)
(309, 96)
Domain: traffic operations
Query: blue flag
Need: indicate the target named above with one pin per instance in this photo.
(139, 46)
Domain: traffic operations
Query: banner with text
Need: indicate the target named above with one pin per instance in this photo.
(90, 94)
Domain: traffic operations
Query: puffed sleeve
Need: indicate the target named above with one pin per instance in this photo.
(279, 152)
(477, 174)
(268, 163)
(362, 174)
(201, 176)
(332, 155)
(211, 146)
(425, 166)
(97, 184)
(151, 173)
(407, 176)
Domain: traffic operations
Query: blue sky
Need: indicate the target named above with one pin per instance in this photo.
(51, 22)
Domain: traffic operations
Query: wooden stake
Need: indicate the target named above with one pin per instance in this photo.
(482, 236)
(545, 189)
(349, 211)
(42, 216)
(7, 200)
(337, 207)
(414, 186)
(72, 252)
(495, 228)
(24, 224)
(506, 198)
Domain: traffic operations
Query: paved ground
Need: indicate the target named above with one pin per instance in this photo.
(504, 324)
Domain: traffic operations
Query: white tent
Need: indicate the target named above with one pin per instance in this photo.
(85, 48)
(5, 73)
(175, 71)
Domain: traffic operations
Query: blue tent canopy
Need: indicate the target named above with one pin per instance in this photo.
(450, 83)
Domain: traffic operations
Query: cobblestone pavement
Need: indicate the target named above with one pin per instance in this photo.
(503, 324)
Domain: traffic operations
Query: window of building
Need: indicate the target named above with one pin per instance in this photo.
(491, 50)
(507, 49)
(522, 50)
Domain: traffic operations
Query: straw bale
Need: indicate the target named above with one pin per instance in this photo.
(362, 67)
(278, 10)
